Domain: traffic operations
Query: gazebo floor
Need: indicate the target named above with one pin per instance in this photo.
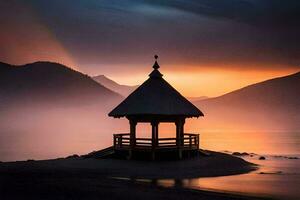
(156, 149)
(170, 153)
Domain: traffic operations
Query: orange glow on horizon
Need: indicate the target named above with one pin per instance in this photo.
(212, 82)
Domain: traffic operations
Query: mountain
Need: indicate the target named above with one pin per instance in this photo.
(270, 105)
(49, 110)
(46, 82)
(124, 90)
(193, 99)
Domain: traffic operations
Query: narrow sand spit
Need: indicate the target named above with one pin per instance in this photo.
(80, 178)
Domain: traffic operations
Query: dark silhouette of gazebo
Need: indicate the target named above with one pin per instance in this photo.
(156, 101)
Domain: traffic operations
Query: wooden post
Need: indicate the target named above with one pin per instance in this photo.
(132, 136)
(154, 141)
(132, 133)
(198, 142)
(177, 133)
(156, 134)
(153, 134)
(115, 141)
(120, 138)
(180, 136)
(182, 131)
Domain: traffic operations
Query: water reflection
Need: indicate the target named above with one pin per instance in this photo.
(277, 177)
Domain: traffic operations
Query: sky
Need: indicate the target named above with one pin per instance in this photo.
(205, 47)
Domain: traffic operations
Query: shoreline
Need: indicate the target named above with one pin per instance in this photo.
(202, 190)
(216, 164)
(89, 178)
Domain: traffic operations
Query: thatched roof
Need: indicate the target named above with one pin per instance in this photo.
(155, 97)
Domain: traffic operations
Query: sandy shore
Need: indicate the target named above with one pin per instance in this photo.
(78, 178)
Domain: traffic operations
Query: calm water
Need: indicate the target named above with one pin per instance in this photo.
(51, 143)
(277, 177)
(260, 142)
(57, 133)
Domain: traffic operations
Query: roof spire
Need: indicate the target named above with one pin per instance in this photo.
(156, 65)
(155, 73)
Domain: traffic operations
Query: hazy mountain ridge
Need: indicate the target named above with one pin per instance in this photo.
(124, 90)
(48, 110)
(195, 99)
(271, 104)
(50, 82)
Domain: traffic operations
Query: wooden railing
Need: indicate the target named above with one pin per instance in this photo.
(189, 140)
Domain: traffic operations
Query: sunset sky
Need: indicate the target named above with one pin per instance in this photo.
(206, 47)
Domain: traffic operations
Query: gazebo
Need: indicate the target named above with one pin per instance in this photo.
(156, 101)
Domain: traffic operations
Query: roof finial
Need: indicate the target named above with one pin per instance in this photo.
(156, 65)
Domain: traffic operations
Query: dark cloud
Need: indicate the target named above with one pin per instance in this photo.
(196, 32)
(266, 13)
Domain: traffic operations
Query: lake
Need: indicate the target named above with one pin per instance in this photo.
(277, 177)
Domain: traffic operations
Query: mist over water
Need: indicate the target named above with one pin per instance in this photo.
(35, 133)
(50, 132)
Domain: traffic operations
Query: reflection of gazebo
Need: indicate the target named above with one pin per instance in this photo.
(156, 101)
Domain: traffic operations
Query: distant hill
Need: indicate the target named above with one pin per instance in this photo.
(194, 99)
(46, 82)
(49, 110)
(273, 105)
(124, 90)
